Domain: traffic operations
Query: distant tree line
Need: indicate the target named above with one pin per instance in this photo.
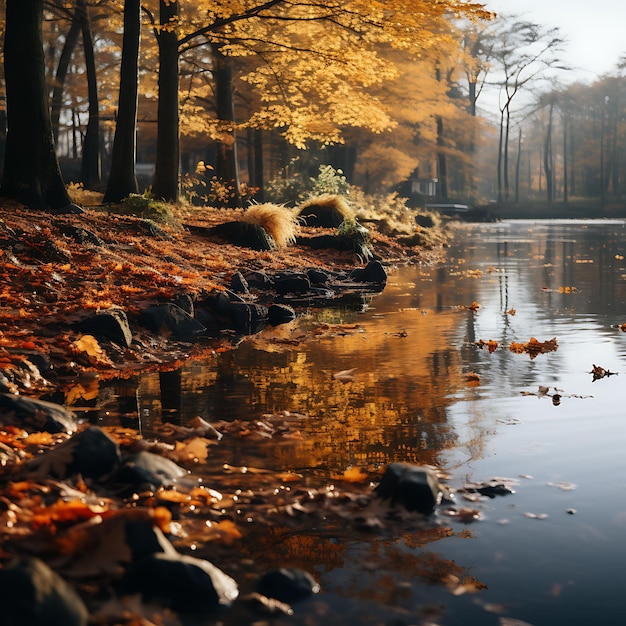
(228, 95)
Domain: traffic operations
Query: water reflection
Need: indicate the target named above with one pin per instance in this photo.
(410, 400)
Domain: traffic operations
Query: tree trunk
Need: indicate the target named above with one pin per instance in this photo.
(90, 166)
(547, 158)
(442, 163)
(227, 166)
(122, 177)
(565, 161)
(166, 178)
(518, 165)
(61, 73)
(31, 170)
(505, 166)
(500, 146)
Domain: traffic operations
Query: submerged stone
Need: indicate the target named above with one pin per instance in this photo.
(373, 272)
(183, 583)
(280, 314)
(287, 584)
(413, 487)
(247, 317)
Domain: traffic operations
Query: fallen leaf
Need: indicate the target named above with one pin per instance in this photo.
(345, 376)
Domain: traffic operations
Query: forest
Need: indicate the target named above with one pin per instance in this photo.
(220, 103)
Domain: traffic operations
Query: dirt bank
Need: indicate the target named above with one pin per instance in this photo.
(56, 270)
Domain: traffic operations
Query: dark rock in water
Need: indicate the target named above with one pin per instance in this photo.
(287, 584)
(147, 471)
(280, 314)
(90, 453)
(185, 302)
(36, 415)
(31, 594)
(218, 302)
(317, 276)
(244, 234)
(144, 539)
(110, 324)
(295, 283)
(238, 283)
(171, 318)
(182, 583)
(258, 280)
(413, 487)
(248, 317)
(373, 272)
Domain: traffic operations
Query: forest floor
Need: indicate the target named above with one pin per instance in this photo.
(57, 269)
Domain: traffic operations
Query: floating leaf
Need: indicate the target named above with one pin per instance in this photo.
(491, 345)
(599, 372)
(534, 347)
(352, 475)
(472, 378)
(345, 376)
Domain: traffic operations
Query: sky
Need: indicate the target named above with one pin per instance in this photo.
(595, 30)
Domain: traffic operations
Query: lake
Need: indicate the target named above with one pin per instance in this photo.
(420, 384)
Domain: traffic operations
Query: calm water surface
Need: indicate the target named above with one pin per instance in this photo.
(410, 400)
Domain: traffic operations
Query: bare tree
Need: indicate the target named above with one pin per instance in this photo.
(524, 54)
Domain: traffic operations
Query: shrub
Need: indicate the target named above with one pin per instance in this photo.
(325, 211)
(279, 222)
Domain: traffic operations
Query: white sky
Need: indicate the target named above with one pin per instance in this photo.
(595, 29)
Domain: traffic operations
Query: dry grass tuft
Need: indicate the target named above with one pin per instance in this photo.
(327, 211)
(279, 221)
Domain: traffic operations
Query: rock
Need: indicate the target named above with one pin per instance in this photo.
(147, 471)
(373, 272)
(36, 415)
(248, 318)
(287, 584)
(258, 280)
(425, 221)
(171, 318)
(239, 284)
(413, 487)
(145, 539)
(294, 283)
(280, 314)
(39, 360)
(31, 594)
(317, 276)
(182, 583)
(109, 324)
(90, 453)
(185, 302)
